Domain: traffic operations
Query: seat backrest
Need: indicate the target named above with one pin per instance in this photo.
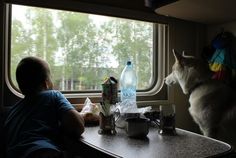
(3, 115)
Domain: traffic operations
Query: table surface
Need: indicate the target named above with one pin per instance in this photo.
(184, 144)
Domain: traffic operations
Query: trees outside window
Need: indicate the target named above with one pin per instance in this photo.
(82, 49)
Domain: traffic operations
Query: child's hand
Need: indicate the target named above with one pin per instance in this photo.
(90, 118)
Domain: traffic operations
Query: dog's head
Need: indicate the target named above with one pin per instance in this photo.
(188, 72)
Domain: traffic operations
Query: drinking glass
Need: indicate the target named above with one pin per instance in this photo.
(107, 124)
(167, 119)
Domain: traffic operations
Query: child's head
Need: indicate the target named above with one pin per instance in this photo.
(33, 75)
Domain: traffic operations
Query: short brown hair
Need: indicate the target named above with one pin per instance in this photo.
(31, 73)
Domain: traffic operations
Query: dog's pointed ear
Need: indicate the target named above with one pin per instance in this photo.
(178, 56)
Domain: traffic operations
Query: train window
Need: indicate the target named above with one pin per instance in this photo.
(83, 49)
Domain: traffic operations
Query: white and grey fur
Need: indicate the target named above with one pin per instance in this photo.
(212, 103)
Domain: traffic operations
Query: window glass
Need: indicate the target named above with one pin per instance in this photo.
(82, 49)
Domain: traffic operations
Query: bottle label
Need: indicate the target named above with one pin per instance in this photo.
(128, 93)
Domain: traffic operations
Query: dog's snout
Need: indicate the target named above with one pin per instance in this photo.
(170, 80)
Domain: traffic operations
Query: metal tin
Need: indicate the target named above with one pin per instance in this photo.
(110, 91)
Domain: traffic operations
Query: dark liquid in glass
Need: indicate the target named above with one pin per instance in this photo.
(167, 124)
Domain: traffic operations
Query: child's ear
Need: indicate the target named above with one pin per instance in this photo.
(48, 84)
(45, 85)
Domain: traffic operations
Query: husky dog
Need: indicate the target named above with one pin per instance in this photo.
(212, 103)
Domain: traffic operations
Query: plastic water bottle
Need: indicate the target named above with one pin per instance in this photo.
(128, 81)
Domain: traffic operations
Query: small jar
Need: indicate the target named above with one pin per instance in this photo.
(106, 124)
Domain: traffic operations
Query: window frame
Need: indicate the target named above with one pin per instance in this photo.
(157, 92)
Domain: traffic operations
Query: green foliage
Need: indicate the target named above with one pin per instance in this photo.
(82, 53)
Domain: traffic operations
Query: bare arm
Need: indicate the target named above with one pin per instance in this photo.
(73, 123)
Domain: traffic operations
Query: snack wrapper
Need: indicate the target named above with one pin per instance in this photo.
(90, 107)
(90, 112)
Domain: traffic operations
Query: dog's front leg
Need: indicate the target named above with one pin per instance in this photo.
(211, 132)
(207, 128)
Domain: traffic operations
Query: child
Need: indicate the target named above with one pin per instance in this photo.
(35, 124)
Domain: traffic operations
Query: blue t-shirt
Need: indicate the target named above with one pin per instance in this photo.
(34, 122)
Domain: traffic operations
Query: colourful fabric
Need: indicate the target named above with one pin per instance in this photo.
(215, 67)
(222, 64)
(220, 75)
